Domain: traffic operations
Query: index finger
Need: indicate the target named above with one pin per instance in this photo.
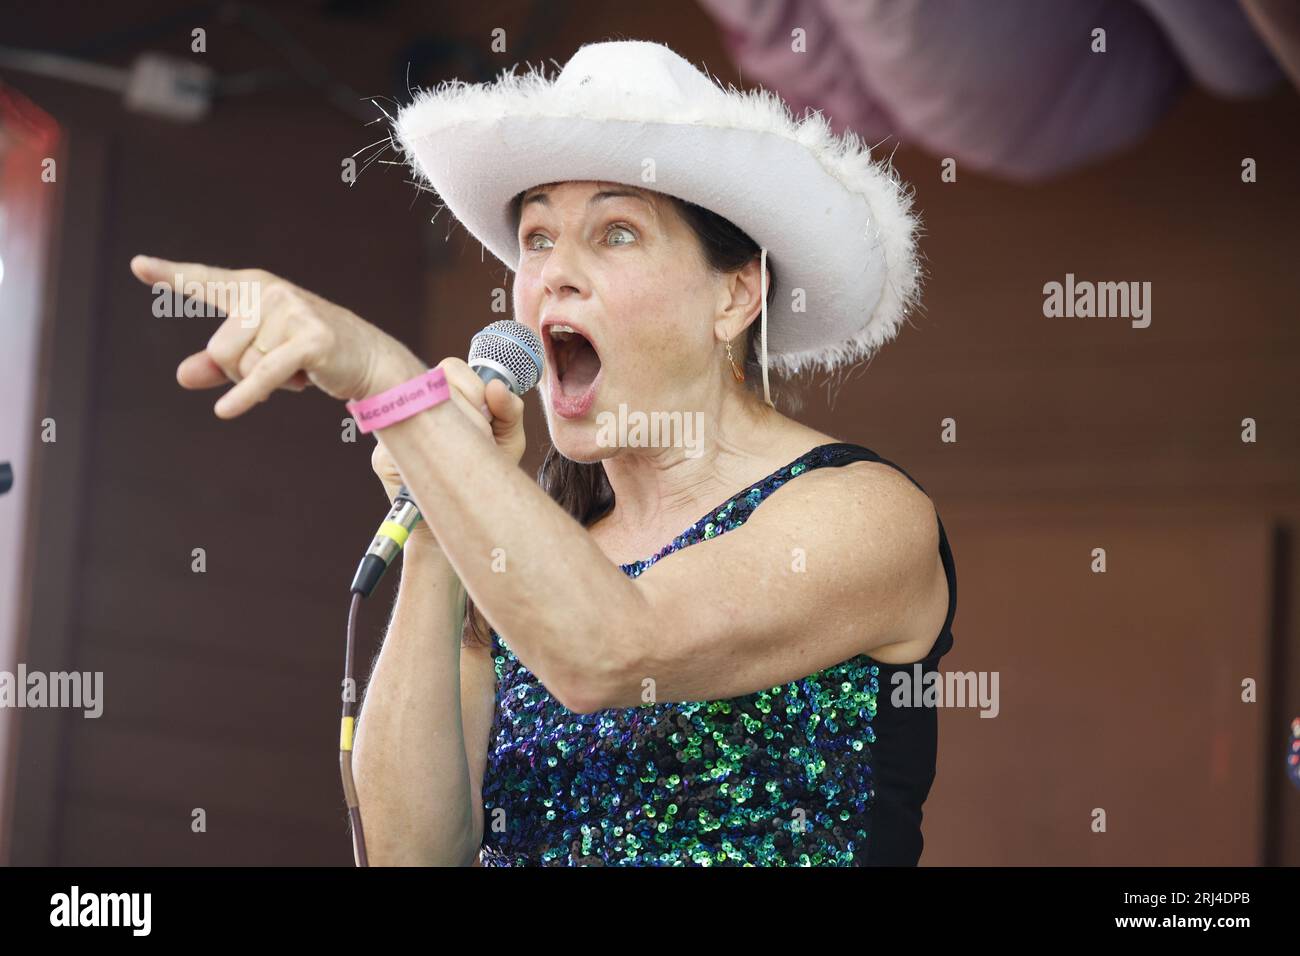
(228, 291)
(150, 269)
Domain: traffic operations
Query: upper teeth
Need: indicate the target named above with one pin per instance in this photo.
(562, 331)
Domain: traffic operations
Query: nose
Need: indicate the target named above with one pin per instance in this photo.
(562, 274)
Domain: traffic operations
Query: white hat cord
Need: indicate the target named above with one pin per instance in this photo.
(838, 225)
(762, 269)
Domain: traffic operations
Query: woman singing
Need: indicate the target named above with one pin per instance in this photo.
(669, 653)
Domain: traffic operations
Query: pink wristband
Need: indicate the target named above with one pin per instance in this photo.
(427, 389)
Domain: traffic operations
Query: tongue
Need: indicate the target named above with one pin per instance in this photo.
(581, 368)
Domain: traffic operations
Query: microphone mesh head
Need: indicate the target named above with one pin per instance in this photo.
(511, 348)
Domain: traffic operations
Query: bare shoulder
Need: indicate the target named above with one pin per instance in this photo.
(883, 527)
(871, 489)
(876, 492)
(907, 521)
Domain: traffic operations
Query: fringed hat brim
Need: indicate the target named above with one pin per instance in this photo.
(838, 226)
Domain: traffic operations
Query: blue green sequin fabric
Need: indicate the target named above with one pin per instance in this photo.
(782, 777)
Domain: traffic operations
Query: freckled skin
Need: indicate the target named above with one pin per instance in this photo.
(644, 292)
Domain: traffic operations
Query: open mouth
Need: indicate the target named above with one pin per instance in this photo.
(574, 359)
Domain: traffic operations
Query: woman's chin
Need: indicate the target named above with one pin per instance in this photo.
(576, 441)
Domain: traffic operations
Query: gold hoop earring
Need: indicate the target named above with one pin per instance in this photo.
(739, 373)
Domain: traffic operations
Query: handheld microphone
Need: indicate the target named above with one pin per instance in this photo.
(506, 350)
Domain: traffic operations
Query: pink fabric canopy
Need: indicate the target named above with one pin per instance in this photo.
(1009, 87)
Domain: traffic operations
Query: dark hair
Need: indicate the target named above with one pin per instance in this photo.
(582, 488)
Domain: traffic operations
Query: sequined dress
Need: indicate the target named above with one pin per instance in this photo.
(821, 771)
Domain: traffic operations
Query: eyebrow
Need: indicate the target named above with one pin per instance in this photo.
(597, 197)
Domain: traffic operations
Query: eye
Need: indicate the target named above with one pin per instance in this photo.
(623, 227)
(528, 241)
(614, 226)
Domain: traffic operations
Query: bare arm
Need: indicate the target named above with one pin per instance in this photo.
(724, 617)
(421, 744)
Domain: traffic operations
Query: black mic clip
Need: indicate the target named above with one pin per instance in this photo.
(387, 544)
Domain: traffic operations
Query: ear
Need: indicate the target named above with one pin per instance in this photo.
(739, 301)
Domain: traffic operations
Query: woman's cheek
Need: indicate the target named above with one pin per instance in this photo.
(524, 301)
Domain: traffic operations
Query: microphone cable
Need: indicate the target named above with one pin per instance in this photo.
(345, 739)
(387, 544)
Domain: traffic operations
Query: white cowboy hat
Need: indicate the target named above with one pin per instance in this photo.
(837, 225)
